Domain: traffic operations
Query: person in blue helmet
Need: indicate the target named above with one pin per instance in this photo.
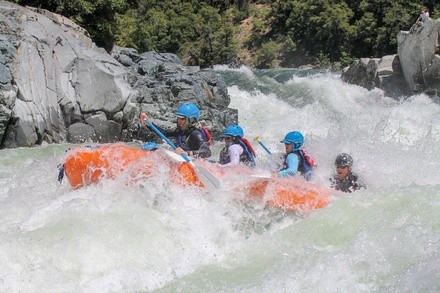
(237, 149)
(295, 159)
(190, 137)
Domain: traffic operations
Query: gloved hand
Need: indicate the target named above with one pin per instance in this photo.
(143, 117)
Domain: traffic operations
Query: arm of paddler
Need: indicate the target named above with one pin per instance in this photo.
(169, 133)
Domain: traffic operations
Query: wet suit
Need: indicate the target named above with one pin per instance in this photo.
(191, 140)
(349, 184)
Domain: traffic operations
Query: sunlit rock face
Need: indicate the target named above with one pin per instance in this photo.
(419, 54)
(415, 69)
(53, 76)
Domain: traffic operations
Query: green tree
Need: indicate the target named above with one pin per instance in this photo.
(98, 17)
(329, 30)
(318, 27)
(214, 42)
(202, 32)
(266, 55)
(378, 22)
(195, 31)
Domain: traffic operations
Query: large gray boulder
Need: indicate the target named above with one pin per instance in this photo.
(160, 83)
(53, 70)
(415, 69)
(384, 73)
(52, 77)
(420, 63)
(362, 72)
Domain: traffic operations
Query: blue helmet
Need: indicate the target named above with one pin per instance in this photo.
(233, 130)
(188, 110)
(295, 138)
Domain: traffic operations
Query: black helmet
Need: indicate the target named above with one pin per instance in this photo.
(344, 160)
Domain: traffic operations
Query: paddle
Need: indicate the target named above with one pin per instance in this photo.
(205, 176)
(257, 139)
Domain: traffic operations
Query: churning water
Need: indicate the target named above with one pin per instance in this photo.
(160, 236)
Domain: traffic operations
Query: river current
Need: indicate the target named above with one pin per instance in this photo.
(162, 237)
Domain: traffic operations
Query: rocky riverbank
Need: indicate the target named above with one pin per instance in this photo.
(57, 86)
(415, 69)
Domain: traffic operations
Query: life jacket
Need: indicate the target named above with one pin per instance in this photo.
(248, 147)
(247, 157)
(309, 160)
(305, 164)
(206, 134)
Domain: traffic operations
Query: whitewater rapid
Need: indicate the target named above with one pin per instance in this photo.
(159, 236)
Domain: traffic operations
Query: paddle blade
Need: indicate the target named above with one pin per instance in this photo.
(207, 178)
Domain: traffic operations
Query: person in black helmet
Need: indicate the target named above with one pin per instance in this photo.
(344, 179)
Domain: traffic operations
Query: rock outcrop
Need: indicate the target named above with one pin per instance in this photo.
(416, 68)
(56, 85)
(420, 59)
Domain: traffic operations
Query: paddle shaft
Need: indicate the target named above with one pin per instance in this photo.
(158, 132)
(264, 147)
(206, 177)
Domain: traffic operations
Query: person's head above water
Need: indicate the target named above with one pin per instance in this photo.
(343, 164)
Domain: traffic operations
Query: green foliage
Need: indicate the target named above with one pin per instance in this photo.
(317, 26)
(266, 55)
(378, 25)
(214, 41)
(202, 32)
(322, 60)
(195, 31)
(97, 16)
(125, 31)
(343, 30)
(289, 46)
(346, 59)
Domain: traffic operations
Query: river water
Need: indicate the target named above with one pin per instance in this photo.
(162, 237)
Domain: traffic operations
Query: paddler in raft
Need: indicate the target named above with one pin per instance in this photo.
(190, 137)
(237, 148)
(295, 159)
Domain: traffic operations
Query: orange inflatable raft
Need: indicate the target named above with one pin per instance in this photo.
(290, 194)
(89, 165)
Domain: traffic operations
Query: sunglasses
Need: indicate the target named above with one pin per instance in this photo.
(341, 167)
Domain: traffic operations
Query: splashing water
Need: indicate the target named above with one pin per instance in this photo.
(159, 236)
